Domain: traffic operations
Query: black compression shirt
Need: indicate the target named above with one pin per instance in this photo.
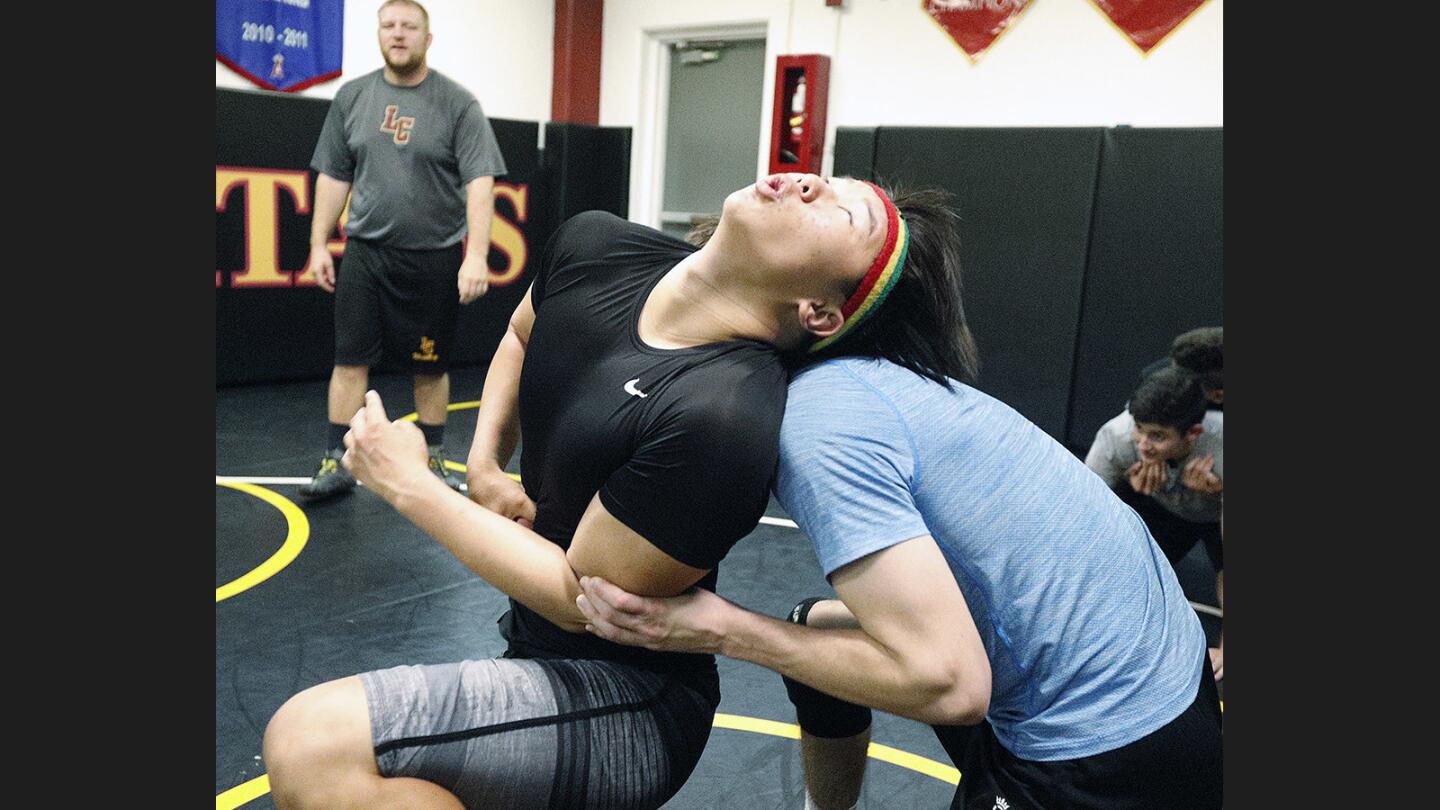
(680, 444)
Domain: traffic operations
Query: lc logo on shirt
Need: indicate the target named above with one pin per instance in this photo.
(632, 390)
(397, 124)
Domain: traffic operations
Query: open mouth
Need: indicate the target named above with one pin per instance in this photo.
(772, 186)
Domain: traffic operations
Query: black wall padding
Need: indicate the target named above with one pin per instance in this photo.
(1156, 265)
(1085, 250)
(1024, 196)
(275, 332)
(586, 167)
(854, 152)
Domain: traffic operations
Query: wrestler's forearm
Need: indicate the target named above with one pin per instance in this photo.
(851, 665)
(497, 426)
(514, 559)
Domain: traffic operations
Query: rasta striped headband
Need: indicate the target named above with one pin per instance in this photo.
(880, 279)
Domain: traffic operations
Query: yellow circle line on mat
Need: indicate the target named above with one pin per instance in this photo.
(260, 785)
(240, 794)
(884, 753)
(298, 532)
(454, 406)
(458, 467)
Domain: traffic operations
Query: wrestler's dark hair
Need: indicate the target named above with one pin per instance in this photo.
(1171, 397)
(921, 325)
(423, 13)
(701, 229)
(1202, 353)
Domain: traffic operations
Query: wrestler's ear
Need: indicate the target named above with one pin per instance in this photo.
(820, 318)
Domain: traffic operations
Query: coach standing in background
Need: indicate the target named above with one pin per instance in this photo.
(419, 155)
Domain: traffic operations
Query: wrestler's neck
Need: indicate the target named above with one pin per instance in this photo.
(699, 302)
(409, 78)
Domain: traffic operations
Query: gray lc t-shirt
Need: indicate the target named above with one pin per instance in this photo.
(408, 153)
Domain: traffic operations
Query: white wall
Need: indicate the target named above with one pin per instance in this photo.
(502, 50)
(1062, 63)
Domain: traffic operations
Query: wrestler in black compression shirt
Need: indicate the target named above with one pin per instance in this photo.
(680, 444)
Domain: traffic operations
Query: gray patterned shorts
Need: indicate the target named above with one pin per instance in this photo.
(539, 733)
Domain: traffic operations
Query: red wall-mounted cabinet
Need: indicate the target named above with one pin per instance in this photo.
(797, 129)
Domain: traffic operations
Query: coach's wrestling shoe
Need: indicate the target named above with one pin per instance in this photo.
(331, 480)
(437, 466)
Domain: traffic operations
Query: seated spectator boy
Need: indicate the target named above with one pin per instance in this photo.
(1164, 456)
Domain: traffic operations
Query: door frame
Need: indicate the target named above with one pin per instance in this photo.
(647, 160)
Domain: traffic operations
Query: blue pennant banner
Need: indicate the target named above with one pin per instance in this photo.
(284, 45)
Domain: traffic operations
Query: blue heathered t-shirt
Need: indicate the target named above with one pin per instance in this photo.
(1091, 642)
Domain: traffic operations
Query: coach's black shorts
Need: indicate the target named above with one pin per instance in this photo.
(392, 302)
(1176, 767)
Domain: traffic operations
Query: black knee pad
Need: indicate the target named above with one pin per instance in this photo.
(819, 714)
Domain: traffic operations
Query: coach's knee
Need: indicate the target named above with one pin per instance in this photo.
(351, 373)
(316, 743)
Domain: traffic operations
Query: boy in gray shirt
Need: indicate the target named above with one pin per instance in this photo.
(1165, 457)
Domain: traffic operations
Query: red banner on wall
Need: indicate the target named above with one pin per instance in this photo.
(974, 24)
(1147, 22)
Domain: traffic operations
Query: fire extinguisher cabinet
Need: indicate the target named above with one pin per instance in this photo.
(797, 129)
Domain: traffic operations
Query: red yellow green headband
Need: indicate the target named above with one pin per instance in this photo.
(880, 279)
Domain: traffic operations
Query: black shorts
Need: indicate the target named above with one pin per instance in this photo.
(397, 303)
(1177, 767)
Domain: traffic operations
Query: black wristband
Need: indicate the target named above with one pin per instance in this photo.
(801, 612)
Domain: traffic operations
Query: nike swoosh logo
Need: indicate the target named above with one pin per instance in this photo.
(631, 389)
